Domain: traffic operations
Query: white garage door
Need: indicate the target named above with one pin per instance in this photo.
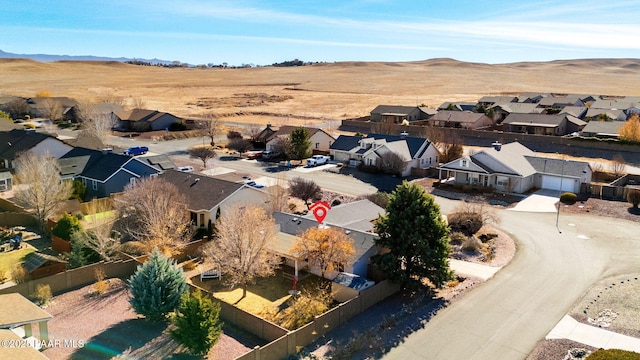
(554, 182)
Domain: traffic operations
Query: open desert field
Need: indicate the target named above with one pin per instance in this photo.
(315, 93)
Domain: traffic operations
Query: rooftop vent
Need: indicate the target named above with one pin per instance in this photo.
(497, 145)
(404, 134)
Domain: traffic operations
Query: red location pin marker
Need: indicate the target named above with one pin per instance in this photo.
(320, 209)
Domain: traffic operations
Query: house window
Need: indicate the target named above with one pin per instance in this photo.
(475, 179)
(94, 185)
(132, 181)
(3, 185)
(464, 163)
(317, 146)
(84, 182)
(502, 181)
(201, 220)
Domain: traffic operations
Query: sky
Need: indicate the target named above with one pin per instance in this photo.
(239, 32)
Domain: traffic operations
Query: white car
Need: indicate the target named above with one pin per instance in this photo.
(316, 160)
(186, 169)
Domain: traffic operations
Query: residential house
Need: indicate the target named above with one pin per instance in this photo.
(17, 141)
(290, 226)
(458, 106)
(356, 150)
(543, 124)
(19, 315)
(501, 111)
(575, 111)
(208, 197)
(357, 215)
(144, 120)
(397, 114)
(559, 102)
(513, 168)
(261, 138)
(488, 101)
(595, 114)
(602, 129)
(460, 120)
(104, 172)
(320, 140)
(530, 97)
(162, 162)
(41, 107)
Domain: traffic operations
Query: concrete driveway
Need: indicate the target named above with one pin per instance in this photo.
(539, 201)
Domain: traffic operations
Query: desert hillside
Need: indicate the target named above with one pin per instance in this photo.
(314, 93)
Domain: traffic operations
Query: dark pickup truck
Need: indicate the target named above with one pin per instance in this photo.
(136, 150)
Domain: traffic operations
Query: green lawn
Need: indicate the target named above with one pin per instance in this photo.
(9, 260)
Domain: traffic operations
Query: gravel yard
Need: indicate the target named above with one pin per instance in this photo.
(110, 328)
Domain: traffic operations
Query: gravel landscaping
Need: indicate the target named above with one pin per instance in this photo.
(110, 328)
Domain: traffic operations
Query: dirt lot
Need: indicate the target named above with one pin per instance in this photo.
(109, 327)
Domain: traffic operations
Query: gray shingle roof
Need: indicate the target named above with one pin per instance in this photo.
(93, 164)
(558, 166)
(609, 128)
(202, 192)
(357, 215)
(393, 109)
(16, 141)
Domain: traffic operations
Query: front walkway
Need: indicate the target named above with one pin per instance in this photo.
(569, 328)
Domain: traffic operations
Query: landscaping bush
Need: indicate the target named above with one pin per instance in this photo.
(19, 274)
(467, 223)
(633, 197)
(472, 245)
(67, 225)
(457, 238)
(134, 248)
(380, 198)
(101, 285)
(178, 126)
(42, 296)
(613, 354)
(568, 198)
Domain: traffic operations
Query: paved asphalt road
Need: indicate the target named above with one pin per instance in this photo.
(505, 317)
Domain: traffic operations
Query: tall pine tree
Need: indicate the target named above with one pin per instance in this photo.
(156, 287)
(299, 144)
(416, 236)
(196, 323)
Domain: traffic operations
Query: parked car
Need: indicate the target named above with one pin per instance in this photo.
(270, 154)
(253, 184)
(186, 169)
(316, 160)
(254, 154)
(136, 150)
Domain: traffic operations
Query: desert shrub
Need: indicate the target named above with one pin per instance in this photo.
(613, 354)
(457, 238)
(135, 248)
(178, 126)
(380, 198)
(101, 285)
(19, 274)
(42, 296)
(67, 225)
(467, 223)
(471, 245)
(633, 197)
(568, 198)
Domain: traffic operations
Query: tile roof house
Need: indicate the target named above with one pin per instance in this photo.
(104, 172)
(513, 168)
(208, 197)
(397, 114)
(356, 150)
(543, 124)
(144, 120)
(290, 226)
(460, 120)
(320, 140)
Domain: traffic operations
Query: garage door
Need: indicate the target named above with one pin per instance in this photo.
(554, 182)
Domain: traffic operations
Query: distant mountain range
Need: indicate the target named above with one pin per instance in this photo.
(51, 58)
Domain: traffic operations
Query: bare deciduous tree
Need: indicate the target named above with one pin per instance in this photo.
(446, 141)
(51, 109)
(109, 97)
(278, 195)
(18, 108)
(99, 235)
(618, 165)
(391, 163)
(242, 246)
(154, 212)
(136, 103)
(43, 189)
(281, 145)
(84, 110)
(304, 190)
(210, 127)
(202, 153)
(239, 144)
(327, 249)
(99, 126)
